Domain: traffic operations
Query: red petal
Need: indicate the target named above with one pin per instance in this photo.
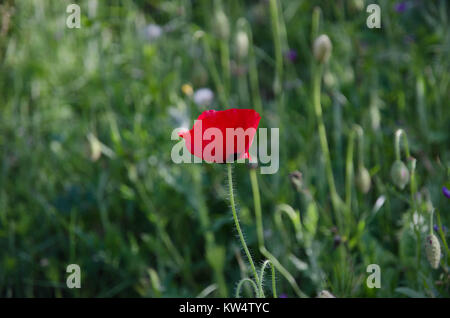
(230, 118)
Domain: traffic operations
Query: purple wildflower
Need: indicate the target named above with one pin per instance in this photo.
(401, 7)
(291, 55)
(446, 192)
(436, 228)
(283, 296)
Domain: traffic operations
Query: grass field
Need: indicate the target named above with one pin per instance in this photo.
(86, 175)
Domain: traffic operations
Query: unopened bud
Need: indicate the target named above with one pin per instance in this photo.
(242, 44)
(296, 180)
(363, 180)
(222, 25)
(375, 117)
(433, 250)
(322, 48)
(399, 174)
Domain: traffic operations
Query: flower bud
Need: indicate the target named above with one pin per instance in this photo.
(322, 48)
(296, 180)
(363, 180)
(433, 250)
(375, 117)
(357, 5)
(325, 294)
(337, 240)
(242, 44)
(222, 25)
(95, 146)
(400, 174)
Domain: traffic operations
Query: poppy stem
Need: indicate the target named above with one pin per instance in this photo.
(238, 227)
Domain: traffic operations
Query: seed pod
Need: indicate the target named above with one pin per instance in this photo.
(325, 294)
(322, 48)
(433, 250)
(363, 180)
(399, 174)
(222, 25)
(242, 44)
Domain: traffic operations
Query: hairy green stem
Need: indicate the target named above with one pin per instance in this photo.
(283, 272)
(236, 221)
(241, 283)
(261, 278)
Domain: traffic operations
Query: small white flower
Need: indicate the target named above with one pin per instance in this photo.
(203, 96)
(153, 31)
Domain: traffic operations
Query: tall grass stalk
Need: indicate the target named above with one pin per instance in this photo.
(221, 91)
(208, 234)
(274, 16)
(253, 70)
(400, 136)
(335, 199)
(225, 62)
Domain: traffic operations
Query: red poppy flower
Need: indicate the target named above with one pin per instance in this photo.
(222, 136)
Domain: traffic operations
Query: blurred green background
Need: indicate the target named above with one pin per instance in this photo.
(86, 175)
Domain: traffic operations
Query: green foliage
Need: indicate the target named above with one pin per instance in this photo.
(86, 177)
